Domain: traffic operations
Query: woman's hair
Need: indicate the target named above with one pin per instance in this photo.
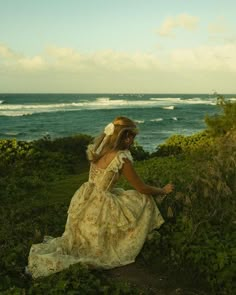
(123, 128)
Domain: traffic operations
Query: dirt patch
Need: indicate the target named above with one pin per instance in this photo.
(156, 281)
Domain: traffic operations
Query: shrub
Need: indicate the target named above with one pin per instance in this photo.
(179, 144)
(200, 231)
(226, 121)
(138, 152)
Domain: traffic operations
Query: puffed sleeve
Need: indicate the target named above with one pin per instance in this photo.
(119, 160)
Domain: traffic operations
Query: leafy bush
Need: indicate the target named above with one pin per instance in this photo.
(179, 144)
(79, 280)
(63, 155)
(138, 153)
(68, 153)
(201, 215)
(26, 166)
(226, 121)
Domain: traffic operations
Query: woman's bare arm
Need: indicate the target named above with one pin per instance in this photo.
(133, 178)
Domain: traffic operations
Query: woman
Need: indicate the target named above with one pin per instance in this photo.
(106, 226)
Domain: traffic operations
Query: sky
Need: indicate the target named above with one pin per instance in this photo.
(125, 46)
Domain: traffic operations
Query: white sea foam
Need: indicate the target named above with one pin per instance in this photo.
(178, 100)
(175, 118)
(139, 121)
(36, 106)
(197, 100)
(168, 107)
(98, 103)
(15, 114)
(12, 133)
(156, 120)
(166, 98)
(2, 101)
(103, 99)
(101, 103)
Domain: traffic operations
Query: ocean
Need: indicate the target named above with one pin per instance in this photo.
(158, 116)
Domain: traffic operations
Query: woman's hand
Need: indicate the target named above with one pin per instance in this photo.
(165, 191)
(168, 188)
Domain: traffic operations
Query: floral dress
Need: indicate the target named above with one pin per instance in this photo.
(106, 226)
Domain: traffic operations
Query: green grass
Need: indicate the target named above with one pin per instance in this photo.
(63, 189)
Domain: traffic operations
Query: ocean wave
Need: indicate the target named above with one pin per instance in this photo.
(101, 103)
(166, 99)
(107, 101)
(98, 103)
(37, 106)
(10, 134)
(103, 99)
(2, 101)
(157, 120)
(139, 121)
(168, 107)
(197, 100)
(179, 100)
(14, 114)
(174, 118)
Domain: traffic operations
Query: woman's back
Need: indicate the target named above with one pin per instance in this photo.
(106, 171)
(105, 160)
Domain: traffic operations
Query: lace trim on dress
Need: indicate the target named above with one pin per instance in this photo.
(117, 163)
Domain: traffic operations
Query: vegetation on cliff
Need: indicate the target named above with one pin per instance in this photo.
(37, 180)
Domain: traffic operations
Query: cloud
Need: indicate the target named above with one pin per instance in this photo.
(205, 58)
(58, 69)
(108, 59)
(7, 53)
(184, 21)
(34, 63)
(70, 61)
(14, 61)
(59, 59)
(218, 26)
(120, 61)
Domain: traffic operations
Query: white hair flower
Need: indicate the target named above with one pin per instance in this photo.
(109, 129)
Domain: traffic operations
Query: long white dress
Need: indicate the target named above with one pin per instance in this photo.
(106, 226)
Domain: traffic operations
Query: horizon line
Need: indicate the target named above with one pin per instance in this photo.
(214, 93)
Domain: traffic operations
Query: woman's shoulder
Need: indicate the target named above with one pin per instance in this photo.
(114, 159)
(125, 154)
(118, 153)
(119, 159)
(119, 156)
(106, 159)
